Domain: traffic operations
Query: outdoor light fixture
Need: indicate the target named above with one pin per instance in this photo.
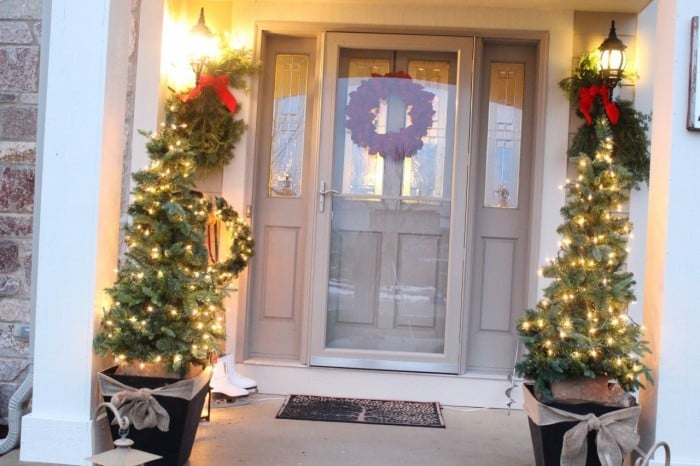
(612, 59)
(200, 46)
(123, 454)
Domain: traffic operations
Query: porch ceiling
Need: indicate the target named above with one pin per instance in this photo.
(621, 6)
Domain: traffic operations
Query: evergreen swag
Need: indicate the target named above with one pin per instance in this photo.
(167, 302)
(209, 126)
(580, 328)
(630, 133)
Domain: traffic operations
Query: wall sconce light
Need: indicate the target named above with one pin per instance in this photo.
(200, 46)
(123, 454)
(612, 59)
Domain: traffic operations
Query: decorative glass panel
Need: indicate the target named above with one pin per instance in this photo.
(363, 173)
(504, 135)
(289, 121)
(424, 173)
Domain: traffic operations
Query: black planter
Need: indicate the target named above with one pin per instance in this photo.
(547, 440)
(175, 445)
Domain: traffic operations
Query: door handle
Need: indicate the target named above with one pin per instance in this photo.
(322, 192)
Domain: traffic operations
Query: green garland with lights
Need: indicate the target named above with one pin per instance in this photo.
(211, 128)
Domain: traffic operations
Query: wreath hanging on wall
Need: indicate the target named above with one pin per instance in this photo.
(207, 113)
(363, 109)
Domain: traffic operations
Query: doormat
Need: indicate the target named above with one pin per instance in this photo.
(387, 412)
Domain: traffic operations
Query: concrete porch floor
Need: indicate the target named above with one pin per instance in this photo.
(247, 432)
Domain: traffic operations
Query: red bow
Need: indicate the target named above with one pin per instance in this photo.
(220, 86)
(585, 103)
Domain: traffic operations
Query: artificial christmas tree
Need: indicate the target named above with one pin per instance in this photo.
(167, 310)
(580, 331)
(584, 351)
(167, 303)
(580, 328)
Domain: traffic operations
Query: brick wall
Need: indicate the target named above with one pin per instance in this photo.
(20, 31)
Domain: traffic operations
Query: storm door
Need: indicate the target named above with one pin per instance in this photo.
(389, 252)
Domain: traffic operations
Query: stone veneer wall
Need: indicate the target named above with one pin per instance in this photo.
(20, 31)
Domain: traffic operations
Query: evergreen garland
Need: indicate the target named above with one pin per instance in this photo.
(241, 242)
(630, 133)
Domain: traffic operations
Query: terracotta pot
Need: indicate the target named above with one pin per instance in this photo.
(584, 389)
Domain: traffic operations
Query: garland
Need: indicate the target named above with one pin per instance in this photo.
(242, 243)
(364, 105)
(586, 92)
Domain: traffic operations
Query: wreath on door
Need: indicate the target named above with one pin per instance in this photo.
(363, 108)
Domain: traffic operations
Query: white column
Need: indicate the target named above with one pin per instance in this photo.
(84, 58)
(670, 409)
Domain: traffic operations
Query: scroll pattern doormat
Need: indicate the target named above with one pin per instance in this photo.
(396, 413)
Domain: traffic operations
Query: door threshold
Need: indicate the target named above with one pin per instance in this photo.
(471, 389)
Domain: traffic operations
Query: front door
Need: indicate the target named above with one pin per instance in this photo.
(387, 236)
(391, 207)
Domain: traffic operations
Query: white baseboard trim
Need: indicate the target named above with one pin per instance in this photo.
(480, 390)
(60, 441)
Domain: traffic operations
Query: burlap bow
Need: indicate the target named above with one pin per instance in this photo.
(141, 406)
(616, 431)
(142, 409)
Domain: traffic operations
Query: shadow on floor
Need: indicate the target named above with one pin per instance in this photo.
(247, 433)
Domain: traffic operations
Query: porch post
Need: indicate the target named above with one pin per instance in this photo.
(671, 411)
(84, 55)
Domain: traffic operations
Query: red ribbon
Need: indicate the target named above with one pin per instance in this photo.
(585, 103)
(220, 86)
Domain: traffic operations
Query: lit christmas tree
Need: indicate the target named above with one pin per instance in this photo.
(580, 328)
(167, 301)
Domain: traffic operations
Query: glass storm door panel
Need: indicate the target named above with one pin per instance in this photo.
(389, 221)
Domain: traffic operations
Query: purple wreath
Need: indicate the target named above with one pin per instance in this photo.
(362, 115)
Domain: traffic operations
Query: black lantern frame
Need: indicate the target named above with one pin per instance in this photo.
(613, 59)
